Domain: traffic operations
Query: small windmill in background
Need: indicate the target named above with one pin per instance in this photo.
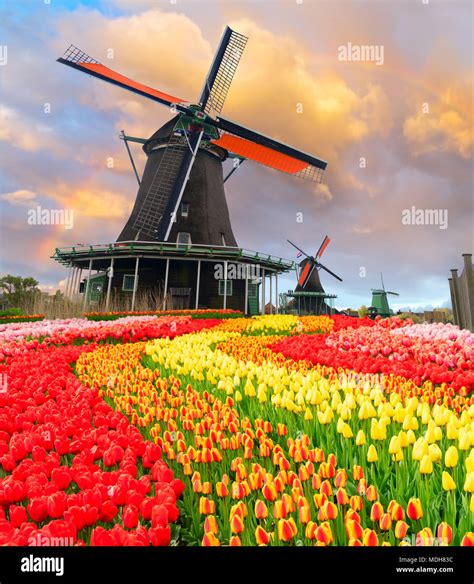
(380, 306)
(309, 295)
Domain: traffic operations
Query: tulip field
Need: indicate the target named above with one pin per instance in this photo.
(200, 430)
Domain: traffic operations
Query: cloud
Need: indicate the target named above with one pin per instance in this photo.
(23, 133)
(441, 130)
(21, 197)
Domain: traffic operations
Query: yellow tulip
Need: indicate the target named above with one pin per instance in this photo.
(360, 438)
(394, 445)
(471, 506)
(308, 415)
(469, 483)
(447, 481)
(434, 452)
(451, 457)
(426, 465)
(372, 455)
(346, 431)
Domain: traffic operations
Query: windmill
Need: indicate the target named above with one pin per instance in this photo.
(181, 201)
(185, 155)
(380, 301)
(309, 285)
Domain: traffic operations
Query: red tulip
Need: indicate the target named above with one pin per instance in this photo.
(130, 516)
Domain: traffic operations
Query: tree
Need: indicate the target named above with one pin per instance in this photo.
(363, 311)
(20, 292)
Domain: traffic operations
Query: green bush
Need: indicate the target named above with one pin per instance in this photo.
(25, 318)
(11, 312)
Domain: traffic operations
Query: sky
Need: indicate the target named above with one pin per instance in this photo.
(397, 131)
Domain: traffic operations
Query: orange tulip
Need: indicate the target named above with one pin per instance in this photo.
(324, 533)
(269, 492)
(376, 512)
(342, 497)
(210, 525)
(221, 489)
(316, 482)
(319, 500)
(340, 479)
(385, 522)
(310, 532)
(362, 486)
(261, 510)
(304, 514)
(326, 488)
(210, 540)
(207, 488)
(424, 537)
(354, 529)
(235, 541)
(445, 532)
(468, 539)
(414, 509)
(352, 515)
(371, 493)
(261, 536)
(355, 543)
(206, 506)
(401, 528)
(370, 538)
(396, 511)
(357, 472)
(356, 502)
(286, 529)
(236, 524)
(279, 510)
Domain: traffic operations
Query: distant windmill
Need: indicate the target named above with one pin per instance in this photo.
(309, 286)
(380, 301)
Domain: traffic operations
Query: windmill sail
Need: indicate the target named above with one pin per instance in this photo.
(222, 71)
(77, 59)
(264, 150)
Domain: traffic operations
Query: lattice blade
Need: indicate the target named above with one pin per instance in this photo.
(269, 152)
(222, 71)
(151, 212)
(77, 59)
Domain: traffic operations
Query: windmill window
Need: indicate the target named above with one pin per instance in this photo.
(183, 238)
(223, 239)
(222, 287)
(184, 209)
(128, 283)
(253, 290)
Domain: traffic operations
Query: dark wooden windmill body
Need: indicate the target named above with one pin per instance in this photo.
(179, 230)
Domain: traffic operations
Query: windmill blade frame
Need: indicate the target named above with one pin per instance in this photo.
(222, 71)
(329, 271)
(392, 293)
(264, 150)
(78, 59)
(298, 248)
